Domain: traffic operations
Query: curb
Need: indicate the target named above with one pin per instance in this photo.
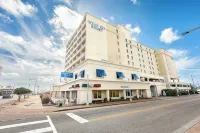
(105, 105)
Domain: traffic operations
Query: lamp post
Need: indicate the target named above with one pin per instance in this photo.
(129, 90)
(156, 89)
(184, 33)
(87, 101)
(34, 84)
(192, 76)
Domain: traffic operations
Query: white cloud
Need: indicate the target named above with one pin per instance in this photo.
(178, 53)
(104, 19)
(168, 36)
(134, 1)
(18, 8)
(134, 30)
(65, 21)
(69, 2)
(5, 18)
(10, 74)
(186, 63)
(112, 18)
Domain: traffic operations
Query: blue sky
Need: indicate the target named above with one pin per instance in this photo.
(32, 33)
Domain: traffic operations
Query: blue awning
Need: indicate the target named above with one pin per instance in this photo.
(120, 75)
(100, 73)
(135, 77)
(82, 73)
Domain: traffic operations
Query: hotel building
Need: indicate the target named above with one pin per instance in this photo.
(107, 64)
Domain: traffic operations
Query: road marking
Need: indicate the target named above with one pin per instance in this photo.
(51, 124)
(141, 110)
(23, 124)
(189, 125)
(77, 118)
(41, 130)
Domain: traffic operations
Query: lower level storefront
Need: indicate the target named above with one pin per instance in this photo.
(80, 92)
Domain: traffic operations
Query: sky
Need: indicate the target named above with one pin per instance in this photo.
(32, 34)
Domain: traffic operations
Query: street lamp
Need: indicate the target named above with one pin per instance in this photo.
(87, 103)
(184, 33)
(129, 90)
(192, 76)
(34, 84)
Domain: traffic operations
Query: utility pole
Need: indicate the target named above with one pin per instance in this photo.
(184, 33)
(192, 79)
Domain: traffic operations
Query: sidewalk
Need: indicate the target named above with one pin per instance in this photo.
(194, 129)
(32, 107)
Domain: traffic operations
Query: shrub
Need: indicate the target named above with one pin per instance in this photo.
(122, 98)
(183, 92)
(170, 92)
(45, 99)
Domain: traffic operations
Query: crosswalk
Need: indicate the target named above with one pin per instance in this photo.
(28, 126)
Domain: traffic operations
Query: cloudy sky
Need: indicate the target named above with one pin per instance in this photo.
(32, 33)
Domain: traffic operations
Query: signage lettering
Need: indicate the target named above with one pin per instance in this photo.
(96, 26)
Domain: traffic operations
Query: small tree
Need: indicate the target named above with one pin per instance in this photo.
(21, 91)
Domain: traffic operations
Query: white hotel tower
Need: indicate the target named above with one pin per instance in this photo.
(115, 66)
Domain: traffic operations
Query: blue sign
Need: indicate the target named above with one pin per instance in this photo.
(66, 75)
(96, 26)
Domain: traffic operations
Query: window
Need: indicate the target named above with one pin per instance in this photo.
(139, 60)
(132, 57)
(126, 45)
(131, 52)
(134, 76)
(138, 50)
(128, 56)
(140, 45)
(137, 44)
(117, 30)
(128, 62)
(120, 75)
(118, 43)
(141, 50)
(143, 61)
(153, 73)
(138, 54)
(140, 65)
(130, 41)
(150, 67)
(100, 73)
(142, 55)
(82, 73)
(131, 47)
(126, 40)
(97, 94)
(118, 50)
(114, 93)
(127, 50)
(144, 66)
(76, 76)
(128, 92)
(132, 63)
(141, 70)
(117, 37)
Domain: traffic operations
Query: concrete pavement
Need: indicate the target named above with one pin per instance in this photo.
(162, 116)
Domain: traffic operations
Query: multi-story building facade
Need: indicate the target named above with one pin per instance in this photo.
(107, 64)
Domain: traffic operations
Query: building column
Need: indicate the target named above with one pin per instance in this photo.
(70, 95)
(137, 93)
(108, 95)
(124, 91)
(65, 96)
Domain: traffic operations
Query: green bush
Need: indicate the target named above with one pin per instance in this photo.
(183, 92)
(193, 91)
(170, 92)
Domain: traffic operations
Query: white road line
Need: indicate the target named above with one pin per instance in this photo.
(77, 118)
(23, 124)
(41, 130)
(52, 126)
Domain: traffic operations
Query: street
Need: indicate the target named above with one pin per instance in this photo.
(164, 116)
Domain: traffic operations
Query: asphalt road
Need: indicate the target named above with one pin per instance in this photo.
(162, 116)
